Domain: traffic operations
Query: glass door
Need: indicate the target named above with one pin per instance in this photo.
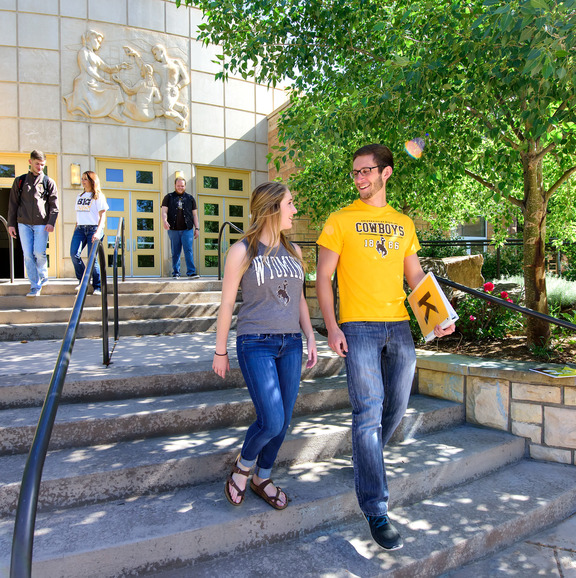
(141, 215)
(222, 196)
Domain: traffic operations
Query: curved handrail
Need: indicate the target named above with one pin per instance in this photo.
(118, 243)
(232, 226)
(22, 543)
(11, 248)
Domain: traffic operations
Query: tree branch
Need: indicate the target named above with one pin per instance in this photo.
(543, 153)
(481, 117)
(515, 130)
(493, 187)
(567, 174)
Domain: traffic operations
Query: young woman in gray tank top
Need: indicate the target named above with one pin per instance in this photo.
(270, 272)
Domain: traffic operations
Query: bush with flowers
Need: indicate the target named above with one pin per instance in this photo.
(480, 319)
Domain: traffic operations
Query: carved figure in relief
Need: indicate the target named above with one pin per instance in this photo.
(94, 94)
(144, 97)
(174, 77)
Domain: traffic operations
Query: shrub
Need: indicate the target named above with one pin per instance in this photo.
(510, 262)
(439, 251)
(481, 319)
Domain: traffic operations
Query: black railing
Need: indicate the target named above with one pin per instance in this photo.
(10, 248)
(23, 540)
(507, 304)
(224, 225)
(118, 243)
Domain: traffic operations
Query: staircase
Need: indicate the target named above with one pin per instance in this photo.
(147, 307)
(133, 484)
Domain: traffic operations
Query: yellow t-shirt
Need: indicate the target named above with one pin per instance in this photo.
(372, 243)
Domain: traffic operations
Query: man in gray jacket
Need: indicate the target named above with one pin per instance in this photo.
(33, 209)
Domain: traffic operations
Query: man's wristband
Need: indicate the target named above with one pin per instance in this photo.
(221, 354)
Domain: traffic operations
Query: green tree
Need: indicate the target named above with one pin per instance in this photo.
(491, 82)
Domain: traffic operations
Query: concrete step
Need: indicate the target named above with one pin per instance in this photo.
(440, 533)
(196, 525)
(147, 285)
(171, 374)
(83, 475)
(18, 317)
(104, 422)
(92, 329)
(19, 302)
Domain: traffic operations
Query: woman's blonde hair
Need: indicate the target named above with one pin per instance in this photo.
(265, 214)
(95, 182)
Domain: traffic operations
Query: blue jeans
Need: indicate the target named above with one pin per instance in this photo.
(81, 238)
(34, 240)
(271, 365)
(380, 364)
(182, 240)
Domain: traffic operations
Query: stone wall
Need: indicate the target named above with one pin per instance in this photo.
(506, 395)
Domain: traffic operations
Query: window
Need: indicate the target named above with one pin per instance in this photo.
(7, 171)
(235, 184)
(210, 182)
(474, 229)
(115, 175)
(236, 211)
(145, 177)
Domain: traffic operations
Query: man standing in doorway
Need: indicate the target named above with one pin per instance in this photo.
(372, 247)
(180, 219)
(33, 209)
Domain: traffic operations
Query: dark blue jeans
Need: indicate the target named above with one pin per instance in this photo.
(380, 364)
(271, 365)
(81, 238)
(182, 240)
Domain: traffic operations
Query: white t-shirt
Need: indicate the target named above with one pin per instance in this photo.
(88, 209)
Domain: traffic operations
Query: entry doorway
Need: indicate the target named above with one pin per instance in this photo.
(222, 195)
(141, 214)
(132, 191)
(12, 166)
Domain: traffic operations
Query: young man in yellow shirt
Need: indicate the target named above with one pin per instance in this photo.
(372, 247)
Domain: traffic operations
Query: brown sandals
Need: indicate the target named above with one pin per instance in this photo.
(230, 481)
(272, 500)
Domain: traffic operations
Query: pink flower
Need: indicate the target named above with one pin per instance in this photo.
(472, 318)
(509, 300)
(488, 286)
(504, 295)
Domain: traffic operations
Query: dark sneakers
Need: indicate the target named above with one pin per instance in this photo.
(384, 532)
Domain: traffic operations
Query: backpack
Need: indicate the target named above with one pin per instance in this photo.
(45, 182)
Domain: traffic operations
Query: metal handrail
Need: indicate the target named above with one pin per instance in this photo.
(232, 226)
(22, 543)
(11, 248)
(118, 243)
(507, 304)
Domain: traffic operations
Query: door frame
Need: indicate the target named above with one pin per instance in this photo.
(21, 166)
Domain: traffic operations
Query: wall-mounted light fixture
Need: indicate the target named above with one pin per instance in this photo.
(179, 175)
(75, 174)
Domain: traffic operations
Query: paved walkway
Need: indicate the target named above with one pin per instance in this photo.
(550, 553)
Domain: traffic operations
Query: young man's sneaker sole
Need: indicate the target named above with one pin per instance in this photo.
(384, 532)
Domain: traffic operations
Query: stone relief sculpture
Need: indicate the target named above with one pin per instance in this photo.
(99, 90)
(93, 94)
(173, 77)
(144, 98)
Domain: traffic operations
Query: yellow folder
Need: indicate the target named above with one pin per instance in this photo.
(430, 306)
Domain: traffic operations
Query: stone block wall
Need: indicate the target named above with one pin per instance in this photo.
(506, 395)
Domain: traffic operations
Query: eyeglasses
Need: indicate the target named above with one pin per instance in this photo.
(364, 171)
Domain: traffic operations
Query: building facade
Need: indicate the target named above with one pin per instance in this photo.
(124, 88)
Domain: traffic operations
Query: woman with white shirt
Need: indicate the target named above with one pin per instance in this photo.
(91, 207)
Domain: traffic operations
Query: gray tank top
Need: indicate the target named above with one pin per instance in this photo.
(271, 291)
